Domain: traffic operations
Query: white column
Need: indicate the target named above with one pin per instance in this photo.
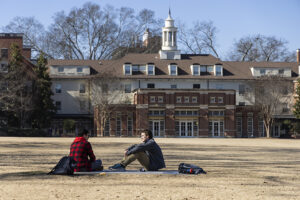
(172, 39)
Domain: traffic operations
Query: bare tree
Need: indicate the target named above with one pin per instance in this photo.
(261, 48)
(199, 39)
(88, 32)
(107, 95)
(33, 30)
(270, 94)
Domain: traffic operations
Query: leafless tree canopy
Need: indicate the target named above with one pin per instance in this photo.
(199, 39)
(90, 32)
(261, 48)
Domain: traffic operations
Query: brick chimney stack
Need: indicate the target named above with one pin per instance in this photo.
(298, 55)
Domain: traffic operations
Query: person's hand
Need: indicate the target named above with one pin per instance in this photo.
(125, 152)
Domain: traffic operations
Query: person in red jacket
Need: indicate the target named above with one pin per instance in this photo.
(81, 151)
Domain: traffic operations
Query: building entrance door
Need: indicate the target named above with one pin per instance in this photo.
(186, 129)
(216, 128)
(157, 127)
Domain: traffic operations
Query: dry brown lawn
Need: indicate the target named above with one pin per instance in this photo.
(236, 169)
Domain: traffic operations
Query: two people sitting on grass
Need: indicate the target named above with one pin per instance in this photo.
(148, 153)
(81, 151)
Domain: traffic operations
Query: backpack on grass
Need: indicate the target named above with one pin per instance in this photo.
(184, 168)
(65, 166)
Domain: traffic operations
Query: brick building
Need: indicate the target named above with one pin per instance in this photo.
(173, 94)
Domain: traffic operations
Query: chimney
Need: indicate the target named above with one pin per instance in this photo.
(298, 55)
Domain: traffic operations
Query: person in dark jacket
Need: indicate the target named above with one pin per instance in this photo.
(81, 151)
(148, 153)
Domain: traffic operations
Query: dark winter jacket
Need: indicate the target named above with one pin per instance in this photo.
(151, 148)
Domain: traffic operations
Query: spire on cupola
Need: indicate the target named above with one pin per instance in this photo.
(169, 40)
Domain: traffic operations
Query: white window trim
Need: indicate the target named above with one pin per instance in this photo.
(192, 69)
(124, 67)
(148, 70)
(170, 70)
(215, 70)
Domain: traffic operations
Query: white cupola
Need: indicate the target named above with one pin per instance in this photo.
(169, 40)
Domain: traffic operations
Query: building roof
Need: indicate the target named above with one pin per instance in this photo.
(231, 70)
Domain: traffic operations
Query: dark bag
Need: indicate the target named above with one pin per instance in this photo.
(184, 168)
(65, 166)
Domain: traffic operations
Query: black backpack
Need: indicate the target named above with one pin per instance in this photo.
(65, 166)
(184, 168)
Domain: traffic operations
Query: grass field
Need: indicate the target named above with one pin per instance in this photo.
(236, 169)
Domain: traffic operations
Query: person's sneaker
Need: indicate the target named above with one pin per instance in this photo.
(117, 167)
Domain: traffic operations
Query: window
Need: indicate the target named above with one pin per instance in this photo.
(58, 88)
(220, 99)
(118, 124)
(250, 125)
(212, 100)
(3, 68)
(178, 99)
(127, 88)
(219, 71)
(173, 70)
(127, 70)
(129, 124)
(79, 69)
(203, 69)
(210, 69)
(82, 105)
(156, 113)
(4, 53)
(285, 108)
(58, 105)
(194, 99)
(152, 99)
(186, 113)
(239, 126)
(174, 86)
(196, 86)
(241, 89)
(196, 70)
(150, 85)
(160, 99)
(281, 71)
(82, 88)
(216, 113)
(262, 72)
(242, 103)
(150, 70)
(60, 69)
(186, 99)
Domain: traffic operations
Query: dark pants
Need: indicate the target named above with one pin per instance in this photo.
(140, 156)
(95, 166)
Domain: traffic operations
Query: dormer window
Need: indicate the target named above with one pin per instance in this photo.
(150, 69)
(79, 69)
(127, 69)
(262, 72)
(196, 70)
(218, 70)
(173, 70)
(60, 69)
(281, 71)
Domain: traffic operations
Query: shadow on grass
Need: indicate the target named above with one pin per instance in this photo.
(29, 175)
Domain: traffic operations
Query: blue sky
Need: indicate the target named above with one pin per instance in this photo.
(233, 18)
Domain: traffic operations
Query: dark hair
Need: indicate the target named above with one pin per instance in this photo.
(83, 132)
(148, 132)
